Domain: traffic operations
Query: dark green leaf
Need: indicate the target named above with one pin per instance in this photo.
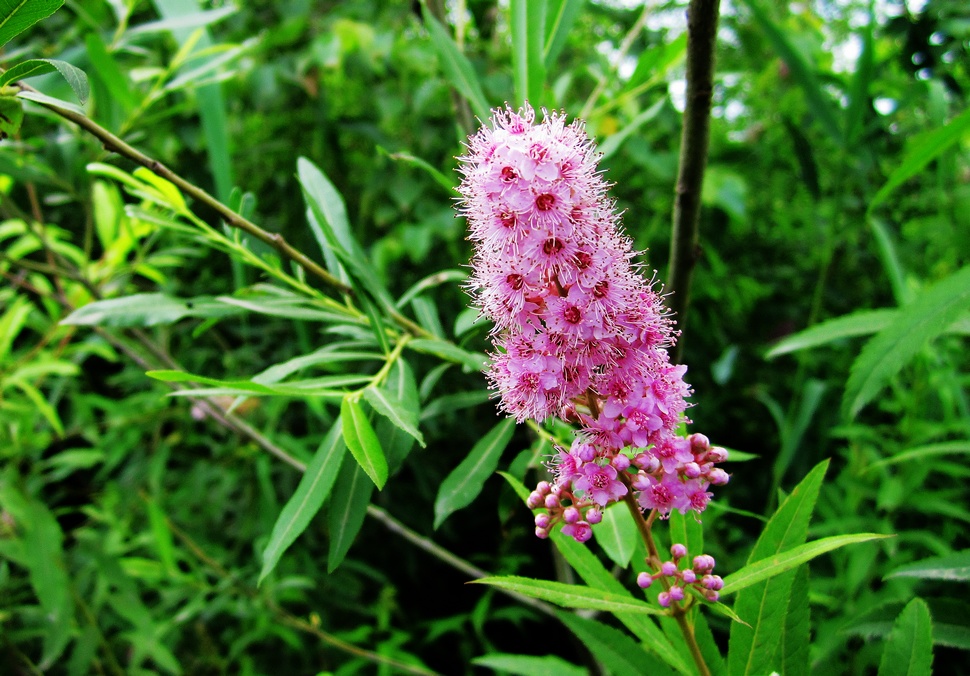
(11, 116)
(348, 507)
(861, 323)
(529, 665)
(617, 534)
(388, 405)
(617, 651)
(16, 16)
(909, 650)
(456, 66)
(306, 501)
(465, 482)
(796, 640)
(560, 17)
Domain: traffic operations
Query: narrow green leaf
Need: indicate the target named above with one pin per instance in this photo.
(953, 567)
(338, 241)
(917, 324)
(570, 595)
(429, 282)
(474, 361)
(528, 20)
(861, 323)
(12, 322)
(617, 534)
(923, 149)
(617, 651)
(306, 501)
(146, 309)
(162, 533)
(182, 22)
(348, 507)
(465, 482)
(397, 443)
(561, 15)
(709, 648)
(43, 555)
(442, 179)
(529, 665)
(794, 656)
(106, 68)
(74, 76)
(458, 70)
(384, 402)
(362, 441)
(909, 650)
(16, 16)
(924, 453)
(50, 101)
(765, 569)
(753, 649)
(890, 261)
(818, 101)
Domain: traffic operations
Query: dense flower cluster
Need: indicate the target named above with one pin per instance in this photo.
(578, 332)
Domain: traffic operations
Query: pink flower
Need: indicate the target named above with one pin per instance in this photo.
(599, 482)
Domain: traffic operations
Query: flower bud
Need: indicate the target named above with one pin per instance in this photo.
(594, 515)
(570, 515)
(669, 568)
(644, 581)
(678, 551)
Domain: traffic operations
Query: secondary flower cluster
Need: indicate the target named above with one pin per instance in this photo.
(579, 333)
(699, 576)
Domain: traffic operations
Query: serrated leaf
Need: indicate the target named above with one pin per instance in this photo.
(348, 507)
(465, 482)
(909, 650)
(617, 651)
(570, 595)
(388, 405)
(953, 567)
(74, 76)
(362, 441)
(307, 499)
(794, 656)
(617, 534)
(16, 16)
(917, 324)
(753, 649)
(765, 569)
(862, 323)
(458, 70)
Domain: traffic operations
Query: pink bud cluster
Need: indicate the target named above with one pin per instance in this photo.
(699, 576)
(578, 332)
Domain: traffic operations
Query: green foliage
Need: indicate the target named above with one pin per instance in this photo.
(161, 524)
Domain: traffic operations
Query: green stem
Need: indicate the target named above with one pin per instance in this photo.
(678, 612)
(702, 18)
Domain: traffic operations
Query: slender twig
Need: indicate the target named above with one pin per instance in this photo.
(273, 239)
(702, 18)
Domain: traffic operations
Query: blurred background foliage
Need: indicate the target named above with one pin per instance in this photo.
(151, 518)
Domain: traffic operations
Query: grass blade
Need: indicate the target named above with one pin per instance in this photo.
(528, 21)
